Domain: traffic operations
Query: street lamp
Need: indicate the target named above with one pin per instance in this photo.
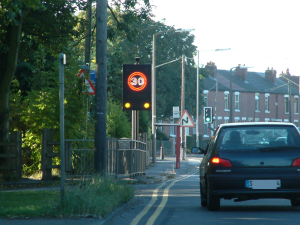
(153, 80)
(230, 91)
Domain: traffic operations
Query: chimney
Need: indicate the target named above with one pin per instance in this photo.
(241, 72)
(287, 73)
(212, 68)
(270, 75)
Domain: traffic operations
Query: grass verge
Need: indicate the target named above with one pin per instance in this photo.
(27, 203)
(97, 197)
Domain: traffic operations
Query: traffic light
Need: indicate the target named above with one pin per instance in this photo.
(137, 87)
(208, 114)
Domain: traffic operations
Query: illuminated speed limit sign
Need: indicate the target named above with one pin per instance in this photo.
(136, 87)
(137, 81)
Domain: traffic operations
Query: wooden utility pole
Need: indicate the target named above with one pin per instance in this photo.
(88, 33)
(101, 88)
(183, 148)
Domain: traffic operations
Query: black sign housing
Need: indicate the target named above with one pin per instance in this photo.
(137, 87)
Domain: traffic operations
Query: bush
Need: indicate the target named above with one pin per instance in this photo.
(190, 142)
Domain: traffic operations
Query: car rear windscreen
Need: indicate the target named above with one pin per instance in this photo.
(257, 137)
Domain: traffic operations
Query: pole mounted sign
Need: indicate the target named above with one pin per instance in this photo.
(136, 87)
(176, 112)
(88, 82)
(186, 120)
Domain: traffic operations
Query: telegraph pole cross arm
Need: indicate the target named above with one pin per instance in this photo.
(186, 120)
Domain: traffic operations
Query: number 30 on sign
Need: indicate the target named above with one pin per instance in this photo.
(137, 81)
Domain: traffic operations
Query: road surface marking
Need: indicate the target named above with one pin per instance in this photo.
(163, 203)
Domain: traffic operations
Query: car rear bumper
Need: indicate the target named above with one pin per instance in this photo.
(257, 194)
(233, 186)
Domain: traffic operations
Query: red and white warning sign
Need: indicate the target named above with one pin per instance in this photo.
(186, 120)
(88, 82)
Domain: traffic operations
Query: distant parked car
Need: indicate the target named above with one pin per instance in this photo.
(235, 168)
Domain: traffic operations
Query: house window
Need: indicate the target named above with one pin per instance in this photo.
(226, 120)
(205, 92)
(237, 101)
(226, 105)
(256, 101)
(206, 129)
(187, 131)
(219, 121)
(237, 119)
(160, 128)
(172, 130)
(267, 102)
(286, 104)
(296, 106)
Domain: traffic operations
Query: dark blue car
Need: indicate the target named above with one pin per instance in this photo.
(245, 161)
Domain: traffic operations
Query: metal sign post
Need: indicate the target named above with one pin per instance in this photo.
(184, 121)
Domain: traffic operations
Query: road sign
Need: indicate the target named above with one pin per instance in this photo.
(88, 82)
(176, 112)
(186, 120)
(137, 87)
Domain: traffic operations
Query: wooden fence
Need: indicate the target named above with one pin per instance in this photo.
(11, 156)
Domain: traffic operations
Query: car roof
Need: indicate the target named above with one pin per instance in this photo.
(257, 124)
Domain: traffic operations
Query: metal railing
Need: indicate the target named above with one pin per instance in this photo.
(124, 157)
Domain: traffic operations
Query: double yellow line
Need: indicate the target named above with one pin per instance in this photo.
(163, 203)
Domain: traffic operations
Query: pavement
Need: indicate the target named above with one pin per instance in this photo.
(160, 171)
(165, 169)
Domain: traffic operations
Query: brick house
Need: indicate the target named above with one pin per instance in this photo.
(255, 97)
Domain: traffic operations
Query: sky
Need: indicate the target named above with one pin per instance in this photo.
(260, 33)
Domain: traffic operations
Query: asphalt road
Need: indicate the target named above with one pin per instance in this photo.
(178, 202)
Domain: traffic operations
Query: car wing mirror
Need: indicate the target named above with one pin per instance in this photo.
(197, 150)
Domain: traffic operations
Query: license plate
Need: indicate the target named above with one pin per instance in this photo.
(263, 184)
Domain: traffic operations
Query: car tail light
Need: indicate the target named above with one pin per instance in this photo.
(223, 162)
(296, 162)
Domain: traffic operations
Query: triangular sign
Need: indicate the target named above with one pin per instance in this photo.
(186, 120)
(88, 82)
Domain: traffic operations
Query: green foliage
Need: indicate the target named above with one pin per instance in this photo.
(98, 196)
(143, 121)
(118, 125)
(40, 108)
(27, 203)
(190, 142)
(161, 135)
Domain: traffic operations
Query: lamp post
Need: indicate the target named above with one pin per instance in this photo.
(153, 80)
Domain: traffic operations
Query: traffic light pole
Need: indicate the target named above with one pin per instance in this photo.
(183, 107)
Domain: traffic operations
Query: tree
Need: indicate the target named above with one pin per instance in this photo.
(39, 109)
(29, 21)
(170, 46)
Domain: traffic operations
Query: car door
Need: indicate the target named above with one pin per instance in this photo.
(205, 159)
